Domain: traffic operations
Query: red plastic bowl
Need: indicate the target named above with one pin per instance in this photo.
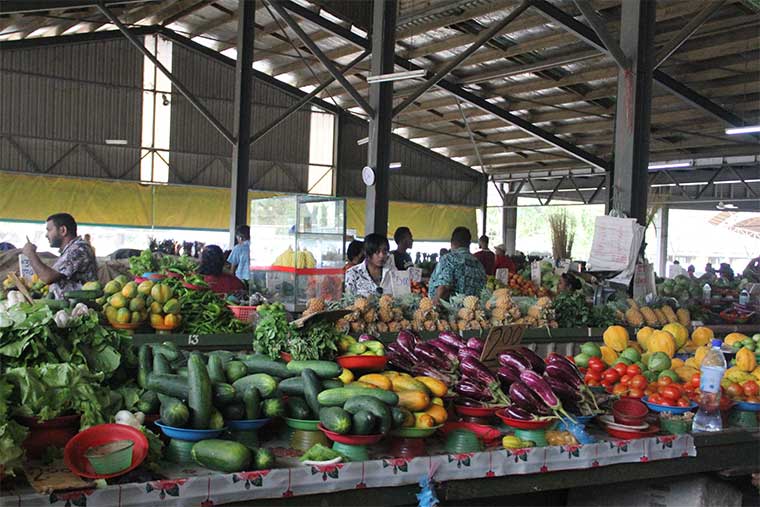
(627, 435)
(629, 411)
(476, 411)
(285, 356)
(483, 431)
(194, 287)
(364, 363)
(74, 452)
(524, 425)
(350, 439)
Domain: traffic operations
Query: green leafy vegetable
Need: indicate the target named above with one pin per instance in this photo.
(143, 263)
(318, 341)
(319, 452)
(273, 332)
(155, 450)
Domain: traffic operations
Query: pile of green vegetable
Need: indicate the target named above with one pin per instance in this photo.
(572, 310)
(274, 334)
(205, 312)
(143, 263)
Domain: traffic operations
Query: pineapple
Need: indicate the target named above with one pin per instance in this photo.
(398, 314)
(426, 304)
(684, 317)
(470, 302)
(501, 293)
(370, 316)
(382, 327)
(361, 304)
(634, 317)
(466, 314)
(462, 325)
(394, 327)
(386, 301)
(385, 313)
(429, 325)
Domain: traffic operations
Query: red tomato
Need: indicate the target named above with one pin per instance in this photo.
(608, 389)
(688, 388)
(619, 389)
(620, 368)
(636, 393)
(611, 376)
(656, 399)
(667, 402)
(633, 370)
(725, 403)
(683, 402)
(625, 379)
(750, 388)
(734, 390)
(695, 380)
(607, 383)
(671, 393)
(592, 382)
(595, 364)
(638, 382)
(664, 381)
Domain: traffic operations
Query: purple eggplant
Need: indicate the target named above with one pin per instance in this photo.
(395, 348)
(562, 372)
(507, 375)
(535, 360)
(428, 371)
(365, 338)
(475, 369)
(542, 389)
(514, 359)
(469, 402)
(400, 362)
(558, 358)
(515, 412)
(407, 341)
(446, 349)
(563, 390)
(451, 338)
(475, 343)
(428, 353)
(466, 352)
(472, 390)
(522, 396)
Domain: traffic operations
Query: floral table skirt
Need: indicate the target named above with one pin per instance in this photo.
(200, 487)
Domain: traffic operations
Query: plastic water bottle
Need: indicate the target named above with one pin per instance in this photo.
(706, 293)
(744, 297)
(713, 367)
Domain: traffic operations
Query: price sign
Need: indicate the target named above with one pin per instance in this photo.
(502, 275)
(193, 339)
(400, 283)
(499, 339)
(535, 273)
(415, 274)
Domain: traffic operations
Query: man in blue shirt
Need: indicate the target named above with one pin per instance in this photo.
(458, 272)
(240, 254)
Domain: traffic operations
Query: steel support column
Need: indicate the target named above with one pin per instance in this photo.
(662, 240)
(633, 110)
(241, 148)
(509, 218)
(381, 103)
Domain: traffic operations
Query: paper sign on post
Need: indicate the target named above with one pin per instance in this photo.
(400, 283)
(499, 339)
(502, 275)
(415, 274)
(535, 273)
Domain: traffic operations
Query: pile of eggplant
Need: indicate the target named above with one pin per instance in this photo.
(539, 388)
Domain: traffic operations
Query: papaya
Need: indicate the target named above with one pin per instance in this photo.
(145, 287)
(129, 290)
(732, 338)
(118, 301)
(609, 356)
(662, 341)
(112, 287)
(700, 354)
(123, 315)
(416, 401)
(423, 420)
(436, 387)
(643, 335)
(172, 320)
(702, 336)
(402, 383)
(137, 303)
(156, 308)
(679, 332)
(377, 380)
(92, 286)
(156, 320)
(161, 293)
(438, 413)
(616, 338)
(135, 318)
(745, 360)
(171, 306)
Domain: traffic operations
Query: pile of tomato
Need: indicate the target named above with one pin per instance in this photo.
(748, 391)
(621, 379)
(671, 394)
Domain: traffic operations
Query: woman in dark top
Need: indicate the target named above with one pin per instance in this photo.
(211, 266)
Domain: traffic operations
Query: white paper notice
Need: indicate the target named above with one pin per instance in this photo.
(400, 283)
(502, 275)
(535, 273)
(615, 245)
(415, 274)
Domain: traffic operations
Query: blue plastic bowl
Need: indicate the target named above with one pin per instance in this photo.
(247, 424)
(747, 406)
(665, 408)
(190, 435)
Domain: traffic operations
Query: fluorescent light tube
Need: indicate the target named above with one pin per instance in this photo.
(669, 165)
(117, 141)
(750, 129)
(363, 140)
(396, 76)
(394, 165)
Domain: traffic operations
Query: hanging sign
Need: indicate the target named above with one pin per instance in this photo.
(400, 283)
(415, 274)
(535, 273)
(499, 339)
(502, 275)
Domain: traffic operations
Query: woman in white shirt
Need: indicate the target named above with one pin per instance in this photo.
(372, 277)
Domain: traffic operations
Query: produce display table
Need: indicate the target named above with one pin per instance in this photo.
(490, 473)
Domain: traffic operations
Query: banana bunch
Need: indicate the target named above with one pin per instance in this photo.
(300, 259)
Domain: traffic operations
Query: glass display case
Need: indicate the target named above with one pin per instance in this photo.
(297, 248)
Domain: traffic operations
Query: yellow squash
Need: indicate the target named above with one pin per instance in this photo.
(435, 386)
(643, 335)
(402, 383)
(377, 380)
(609, 356)
(416, 401)
(438, 413)
(702, 336)
(679, 332)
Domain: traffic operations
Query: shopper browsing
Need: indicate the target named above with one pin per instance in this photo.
(354, 254)
(372, 277)
(240, 255)
(404, 241)
(212, 267)
(501, 261)
(458, 272)
(486, 256)
(76, 264)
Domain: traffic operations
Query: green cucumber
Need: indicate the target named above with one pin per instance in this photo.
(148, 402)
(273, 407)
(265, 383)
(222, 455)
(263, 459)
(323, 369)
(234, 412)
(199, 392)
(311, 388)
(82, 294)
(160, 363)
(182, 371)
(235, 370)
(293, 386)
(259, 363)
(144, 365)
(363, 422)
(374, 407)
(216, 422)
(216, 369)
(225, 355)
(297, 408)
(169, 349)
(173, 412)
(178, 386)
(399, 415)
(339, 396)
(252, 403)
(335, 419)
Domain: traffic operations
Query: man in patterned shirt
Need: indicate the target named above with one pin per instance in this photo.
(458, 272)
(75, 266)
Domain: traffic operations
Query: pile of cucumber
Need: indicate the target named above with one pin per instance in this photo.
(361, 411)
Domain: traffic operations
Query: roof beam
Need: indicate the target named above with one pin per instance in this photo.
(13, 6)
(687, 31)
(599, 25)
(456, 90)
(586, 34)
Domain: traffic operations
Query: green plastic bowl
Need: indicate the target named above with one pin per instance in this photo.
(302, 424)
(674, 426)
(110, 458)
(415, 432)
(461, 441)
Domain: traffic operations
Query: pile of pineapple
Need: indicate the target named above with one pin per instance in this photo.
(427, 318)
(655, 317)
(373, 316)
(503, 310)
(540, 314)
